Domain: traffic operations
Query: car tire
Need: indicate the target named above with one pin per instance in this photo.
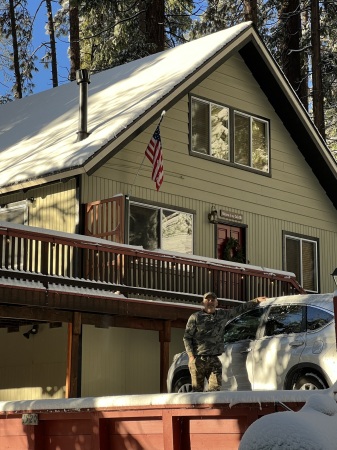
(183, 384)
(309, 382)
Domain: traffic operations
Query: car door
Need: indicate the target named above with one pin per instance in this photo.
(279, 346)
(239, 339)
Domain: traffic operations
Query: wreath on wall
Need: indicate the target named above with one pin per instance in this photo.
(232, 251)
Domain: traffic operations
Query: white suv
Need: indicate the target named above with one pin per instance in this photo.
(284, 343)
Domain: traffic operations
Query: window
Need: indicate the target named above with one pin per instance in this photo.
(16, 212)
(212, 126)
(285, 320)
(243, 327)
(160, 228)
(317, 318)
(301, 259)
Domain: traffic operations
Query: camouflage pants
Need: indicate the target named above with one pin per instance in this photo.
(208, 367)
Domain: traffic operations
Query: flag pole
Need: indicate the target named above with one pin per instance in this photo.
(134, 181)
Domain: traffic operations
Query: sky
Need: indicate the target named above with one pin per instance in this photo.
(43, 78)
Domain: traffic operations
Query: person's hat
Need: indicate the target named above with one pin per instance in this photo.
(209, 294)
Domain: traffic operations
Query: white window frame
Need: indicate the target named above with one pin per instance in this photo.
(301, 239)
(15, 206)
(231, 136)
(160, 209)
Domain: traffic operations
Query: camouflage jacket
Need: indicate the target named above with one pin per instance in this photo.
(204, 333)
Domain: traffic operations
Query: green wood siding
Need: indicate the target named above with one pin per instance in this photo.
(291, 199)
(55, 206)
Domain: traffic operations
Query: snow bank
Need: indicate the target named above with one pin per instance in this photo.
(314, 427)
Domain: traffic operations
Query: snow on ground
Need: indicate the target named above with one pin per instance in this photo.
(314, 427)
(196, 398)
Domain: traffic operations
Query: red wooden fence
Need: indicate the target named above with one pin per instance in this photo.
(152, 422)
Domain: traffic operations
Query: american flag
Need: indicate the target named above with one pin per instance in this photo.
(154, 154)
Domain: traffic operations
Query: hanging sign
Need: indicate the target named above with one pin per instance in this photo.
(229, 215)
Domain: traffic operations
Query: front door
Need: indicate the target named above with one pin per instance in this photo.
(226, 247)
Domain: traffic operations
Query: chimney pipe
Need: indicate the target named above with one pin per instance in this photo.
(82, 78)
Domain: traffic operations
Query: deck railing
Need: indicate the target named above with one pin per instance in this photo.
(135, 270)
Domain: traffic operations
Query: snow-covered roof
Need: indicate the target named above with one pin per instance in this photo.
(38, 133)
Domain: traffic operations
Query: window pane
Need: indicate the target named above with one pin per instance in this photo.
(220, 132)
(309, 266)
(243, 327)
(200, 126)
(260, 146)
(293, 257)
(284, 320)
(14, 213)
(144, 227)
(317, 318)
(242, 139)
(177, 231)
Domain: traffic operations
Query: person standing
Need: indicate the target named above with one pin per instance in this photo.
(203, 340)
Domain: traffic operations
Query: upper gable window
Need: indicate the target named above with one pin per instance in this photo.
(228, 135)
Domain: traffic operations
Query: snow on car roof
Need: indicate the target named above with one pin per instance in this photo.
(322, 300)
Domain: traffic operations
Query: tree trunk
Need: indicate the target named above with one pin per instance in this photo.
(154, 18)
(16, 62)
(292, 55)
(75, 59)
(317, 84)
(52, 43)
(250, 11)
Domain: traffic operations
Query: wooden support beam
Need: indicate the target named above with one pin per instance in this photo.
(165, 339)
(34, 313)
(73, 377)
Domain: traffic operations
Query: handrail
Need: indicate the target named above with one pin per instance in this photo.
(35, 250)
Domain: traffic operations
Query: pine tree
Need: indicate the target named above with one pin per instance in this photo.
(18, 61)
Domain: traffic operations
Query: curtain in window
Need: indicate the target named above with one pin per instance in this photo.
(293, 257)
(200, 127)
(242, 139)
(308, 263)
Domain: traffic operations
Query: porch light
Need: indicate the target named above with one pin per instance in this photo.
(334, 276)
(32, 331)
(213, 215)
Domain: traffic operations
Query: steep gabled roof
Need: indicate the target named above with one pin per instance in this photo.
(38, 134)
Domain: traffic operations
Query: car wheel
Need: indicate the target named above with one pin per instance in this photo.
(309, 382)
(183, 384)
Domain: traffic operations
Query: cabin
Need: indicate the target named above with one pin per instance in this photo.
(100, 265)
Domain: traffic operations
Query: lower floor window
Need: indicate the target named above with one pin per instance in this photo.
(301, 257)
(16, 212)
(154, 227)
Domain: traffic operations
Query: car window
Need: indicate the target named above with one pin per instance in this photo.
(243, 327)
(317, 318)
(285, 319)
